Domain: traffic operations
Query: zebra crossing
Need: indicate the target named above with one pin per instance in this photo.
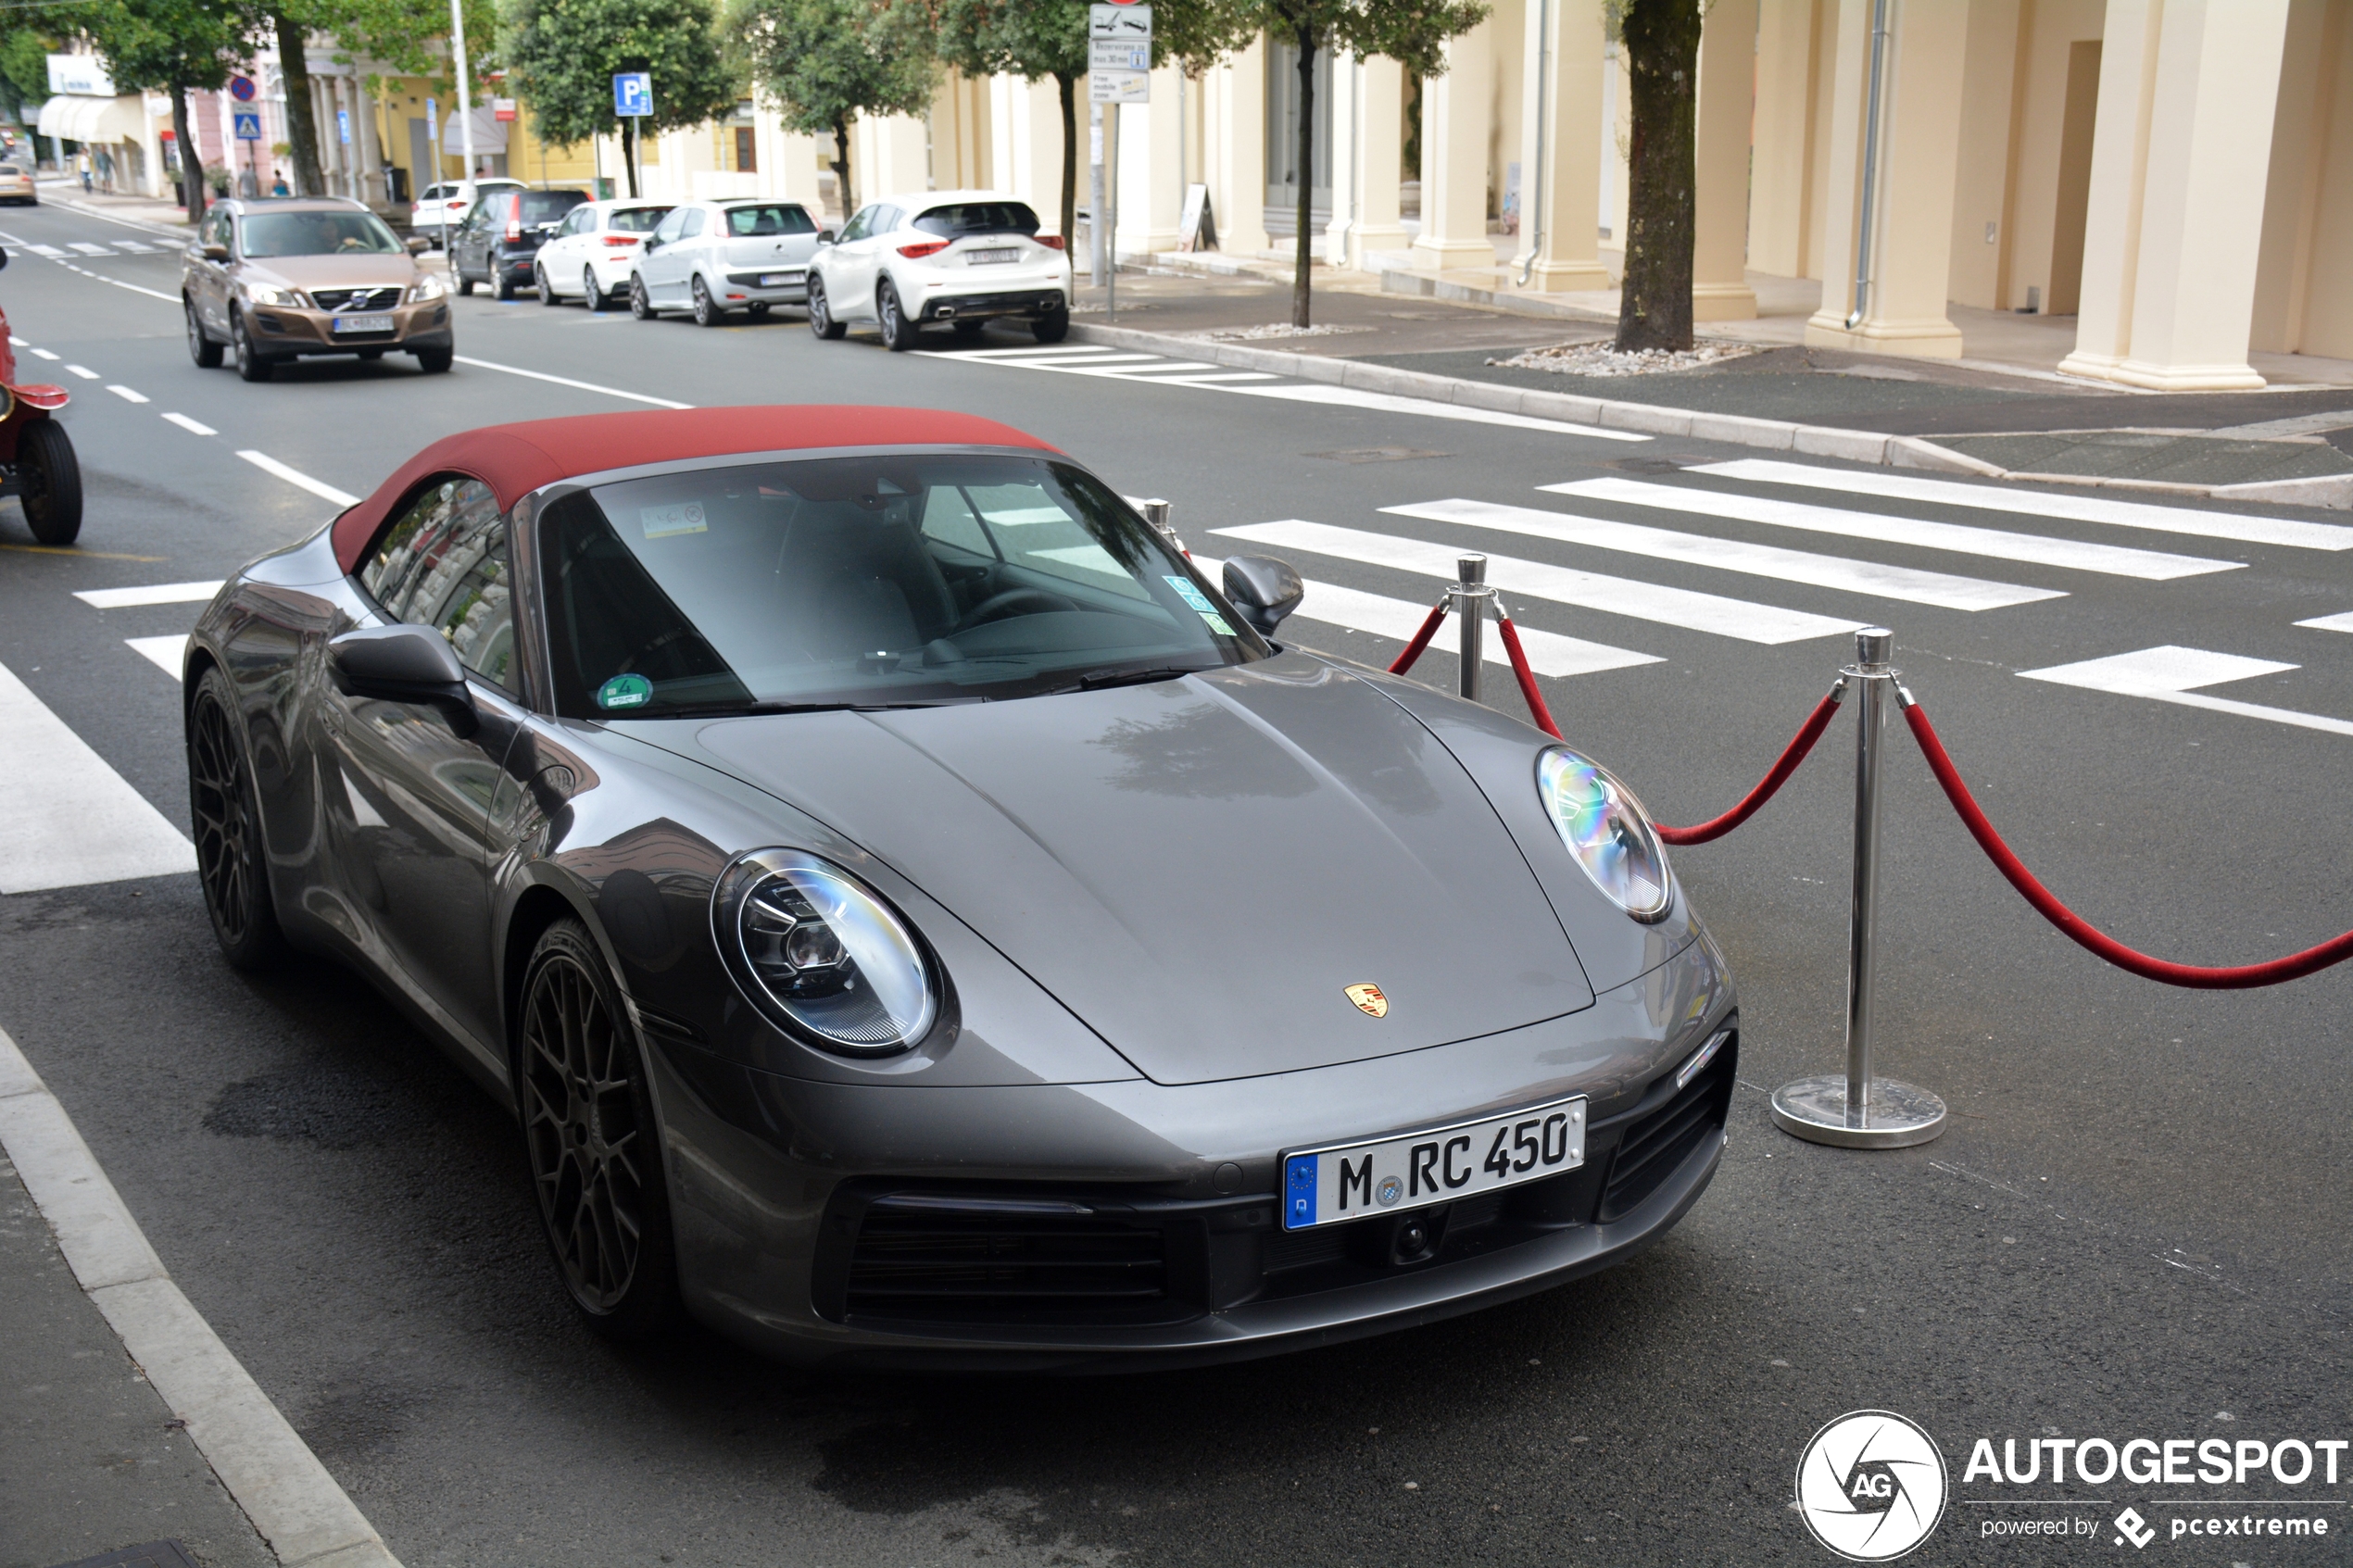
(86, 247)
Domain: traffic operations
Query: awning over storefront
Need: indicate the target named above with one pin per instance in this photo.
(76, 118)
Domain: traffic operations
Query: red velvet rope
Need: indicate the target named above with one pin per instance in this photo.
(2294, 966)
(1527, 677)
(1769, 786)
(1421, 640)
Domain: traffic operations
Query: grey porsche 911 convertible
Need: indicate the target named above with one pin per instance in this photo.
(849, 839)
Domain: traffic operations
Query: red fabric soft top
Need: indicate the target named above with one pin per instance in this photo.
(518, 459)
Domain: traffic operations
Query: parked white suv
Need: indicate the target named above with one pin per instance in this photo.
(445, 205)
(715, 256)
(593, 251)
(961, 258)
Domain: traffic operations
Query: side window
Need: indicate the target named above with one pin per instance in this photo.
(949, 520)
(214, 230)
(668, 228)
(858, 228)
(693, 225)
(1031, 528)
(443, 563)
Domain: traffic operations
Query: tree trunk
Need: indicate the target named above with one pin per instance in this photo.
(628, 152)
(841, 168)
(1303, 267)
(1068, 88)
(1662, 56)
(302, 126)
(191, 163)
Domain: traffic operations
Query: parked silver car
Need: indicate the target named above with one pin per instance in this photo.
(714, 257)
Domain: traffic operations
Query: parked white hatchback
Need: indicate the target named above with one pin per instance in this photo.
(713, 257)
(962, 257)
(593, 250)
(445, 206)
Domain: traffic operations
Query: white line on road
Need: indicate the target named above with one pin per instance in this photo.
(52, 252)
(1617, 596)
(2168, 673)
(148, 594)
(45, 353)
(151, 293)
(2116, 561)
(1382, 402)
(320, 488)
(85, 371)
(87, 248)
(1937, 588)
(1549, 653)
(194, 427)
(1043, 351)
(167, 654)
(2340, 622)
(134, 248)
(1215, 377)
(2077, 508)
(126, 394)
(66, 817)
(567, 381)
(288, 1495)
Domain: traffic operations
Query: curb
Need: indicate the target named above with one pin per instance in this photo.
(1651, 419)
(295, 1506)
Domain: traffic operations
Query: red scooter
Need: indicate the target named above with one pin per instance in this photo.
(36, 456)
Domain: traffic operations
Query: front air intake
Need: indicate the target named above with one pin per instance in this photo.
(947, 1258)
(1660, 1140)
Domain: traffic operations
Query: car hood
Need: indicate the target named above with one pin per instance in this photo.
(1200, 868)
(367, 271)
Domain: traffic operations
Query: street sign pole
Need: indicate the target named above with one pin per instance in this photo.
(633, 98)
(1119, 59)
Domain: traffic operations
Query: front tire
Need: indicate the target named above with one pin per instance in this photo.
(900, 332)
(709, 312)
(231, 865)
(465, 284)
(641, 303)
(821, 317)
(1052, 327)
(502, 286)
(539, 282)
(433, 361)
(593, 1144)
(202, 349)
(592, 293)
(252, 365)
(48, 482)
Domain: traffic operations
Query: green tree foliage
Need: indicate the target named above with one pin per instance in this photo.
(1662, 61)
(561, 55)
(829, 61)
(175, 46)
(24, 70)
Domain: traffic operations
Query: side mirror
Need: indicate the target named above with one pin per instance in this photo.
(1264, 589)
(216, 253)
(411, 664)
(419, 245)
(825, 236)
(650, 246)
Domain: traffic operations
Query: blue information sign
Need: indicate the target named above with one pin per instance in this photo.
(632, 93)
(248, 125)
(342, 126)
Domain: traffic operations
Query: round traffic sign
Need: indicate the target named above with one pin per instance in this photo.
(241, 88)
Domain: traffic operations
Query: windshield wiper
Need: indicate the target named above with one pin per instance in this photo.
(1099, 679)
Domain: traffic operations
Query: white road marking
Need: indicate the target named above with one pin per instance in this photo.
(2076, 509)
(167, 654)
(193, 427)
(1215, 378)
(151, 293)
(1936, 588)
(126, 394)
(2116, 561)
(86, 248)
(2169, 673)
(52, 252)
(1617, 596)
(85, 371)
(45, 353)
(134, 247)
(149, 594)
(320, 488)
(1549, 653)
(1036, 362)
(1382, 402)
(2342, 622)
(1043, 350)
(274, 1477)
(16, 342)
(567, 381)
(66, 819)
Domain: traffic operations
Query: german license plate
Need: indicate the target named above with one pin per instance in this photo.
(363, 324)
(778, 280)
(1414, 1170)
(984, 257)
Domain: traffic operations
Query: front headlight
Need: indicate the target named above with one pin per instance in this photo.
(823, 954)
(428, 286)
(1607, 831)
(270, 293)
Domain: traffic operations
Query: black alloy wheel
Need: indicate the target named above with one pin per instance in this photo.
(201, 348)
(641, 303)
(589, 1130)
(539, 282)
(709, 312)
(1052, 327)
(252, 365)
(48, 482)
(821, 318)
(592, 293)
(230, 863)
(896, 331)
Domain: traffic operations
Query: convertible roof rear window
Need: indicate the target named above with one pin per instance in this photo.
(872, 582)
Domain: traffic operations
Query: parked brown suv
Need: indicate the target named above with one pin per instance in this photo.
(277, 280)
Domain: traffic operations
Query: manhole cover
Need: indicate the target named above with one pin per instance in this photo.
(1377, 454)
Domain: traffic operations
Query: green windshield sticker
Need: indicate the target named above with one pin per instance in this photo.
(1191, 595)
(625, 690)
(1217, 624)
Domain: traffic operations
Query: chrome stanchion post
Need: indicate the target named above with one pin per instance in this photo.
(1856, 1109)
(1470, 594)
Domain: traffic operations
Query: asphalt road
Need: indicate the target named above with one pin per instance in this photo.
(2134, 1228)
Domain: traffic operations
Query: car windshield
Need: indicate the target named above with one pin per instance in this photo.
(635, 220)
(979, 217)
(864, 583)
(769, 218)
(319, 234)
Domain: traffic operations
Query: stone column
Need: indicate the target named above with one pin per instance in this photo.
(1380, 88)
(1793, 39)
(1147, 169)
(1238, 165)
(1725, 110)
(1455, 110)
(1560, 204)
(2180, 158)
(1346, 154)
(1911, 251)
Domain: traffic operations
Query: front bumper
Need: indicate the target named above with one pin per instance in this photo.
(284, 332)
(776, 1185)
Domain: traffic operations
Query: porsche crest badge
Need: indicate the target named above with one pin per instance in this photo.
(1369, 1000)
